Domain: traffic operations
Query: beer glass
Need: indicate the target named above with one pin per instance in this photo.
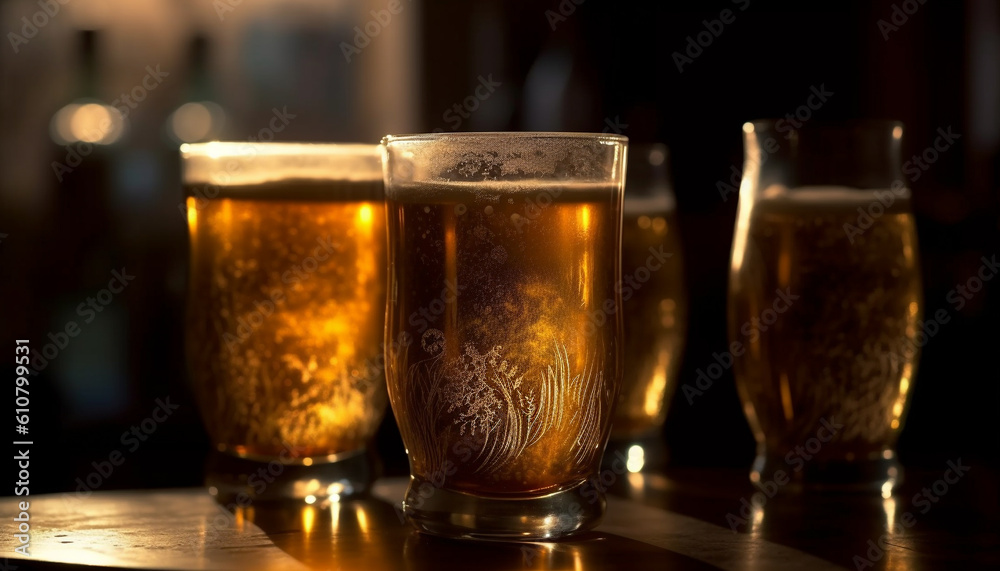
(654, 304)
(501, 247)
(285, 315)
(825, 303)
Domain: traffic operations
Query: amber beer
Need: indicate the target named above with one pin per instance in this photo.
(838, 347)
(503, 390)
(655, 314)
(285, 317)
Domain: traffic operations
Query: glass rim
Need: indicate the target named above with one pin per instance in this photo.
(771, 124)
(239, 149)
(499, 135)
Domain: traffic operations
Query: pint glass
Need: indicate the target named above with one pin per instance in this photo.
(285, 316)
(502, 248)
(825, 302)
(653, 297)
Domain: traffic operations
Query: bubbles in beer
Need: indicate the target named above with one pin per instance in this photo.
(842, 350)
(504, 386)
(285, 317)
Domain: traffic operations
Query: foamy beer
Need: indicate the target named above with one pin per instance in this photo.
(654, 301)
(286, 309)
(501, 246)
(825, 303)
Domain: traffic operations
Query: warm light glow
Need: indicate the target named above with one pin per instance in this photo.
(887, 489)
(659, 225)
(362, 520)
(95, 123)
(192, 213)
(308, 518)
(365, 214)
(88, 123)
(584, 219)
(310, 499)
(741, 232)
(786, 396)
(748, 128)
(897, 132)
(307, 461)
(654, 392)
(889, 507)
(60, 126)
(636, 458)
(644, 222)
(191, 122)
(653, 403)
(656, 157)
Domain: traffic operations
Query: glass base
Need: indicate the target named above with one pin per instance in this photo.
(865, 475)
(446, 513)
(242, 481)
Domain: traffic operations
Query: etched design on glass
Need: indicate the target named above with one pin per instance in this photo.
(487, 398)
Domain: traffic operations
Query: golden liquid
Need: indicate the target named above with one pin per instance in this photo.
(843, 351)
(306, 373)
(503, 388)
(655, 315)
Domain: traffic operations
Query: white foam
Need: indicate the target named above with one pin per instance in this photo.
(835, 196)
(649, 204)
(245, 163)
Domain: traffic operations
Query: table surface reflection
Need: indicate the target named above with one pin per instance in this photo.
(654, 521)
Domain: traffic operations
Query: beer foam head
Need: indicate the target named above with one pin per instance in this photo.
(506, 158)
(828, 196)
(246, 163)
(635, 205)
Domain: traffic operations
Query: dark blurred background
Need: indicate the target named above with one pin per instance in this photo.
(83, 193)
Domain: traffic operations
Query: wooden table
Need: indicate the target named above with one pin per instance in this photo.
(653, 522)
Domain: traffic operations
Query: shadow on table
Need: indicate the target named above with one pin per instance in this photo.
(368, 534)
(914, 529)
